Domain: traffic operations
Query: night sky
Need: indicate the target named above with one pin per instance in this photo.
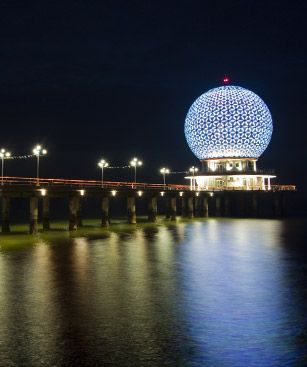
(115, 79)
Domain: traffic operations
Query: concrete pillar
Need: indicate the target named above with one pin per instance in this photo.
(152, 209)
(46, 212)
(5, 214)
(277, 205)
(190, 208)
(217, 206)
(197, 206)
(131, 212)
(283, 205)
(168, 208)
(73, 212)
(105, 218)
(183, 206)
(205, 203)
(226, 206)
(173, 207)
(241, 204)
(79, 213)
(33, 214)
(255, 205)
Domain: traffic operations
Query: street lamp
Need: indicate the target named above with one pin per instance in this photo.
(3, 154)
(135, 163)
(38, 151)
(102, 164)
(193, 170)
(164, 171)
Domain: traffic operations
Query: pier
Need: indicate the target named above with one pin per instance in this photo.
(179, 200)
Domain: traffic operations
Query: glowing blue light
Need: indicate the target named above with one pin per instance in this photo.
(228, 121)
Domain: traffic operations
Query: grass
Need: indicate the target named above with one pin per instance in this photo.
(19, 236)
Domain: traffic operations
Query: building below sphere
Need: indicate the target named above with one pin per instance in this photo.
(231, 174)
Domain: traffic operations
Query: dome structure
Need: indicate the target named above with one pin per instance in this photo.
(228, 122)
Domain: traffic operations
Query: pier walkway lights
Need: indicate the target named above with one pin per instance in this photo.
(135, 162)
(193, 170)
(38, 151)
(102, 164)
(164, 171)
(4, 155)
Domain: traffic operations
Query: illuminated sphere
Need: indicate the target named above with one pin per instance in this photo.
(228, 121)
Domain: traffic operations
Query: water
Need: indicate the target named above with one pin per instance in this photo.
(205, 293)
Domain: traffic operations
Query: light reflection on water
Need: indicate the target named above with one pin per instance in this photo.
(210, 293)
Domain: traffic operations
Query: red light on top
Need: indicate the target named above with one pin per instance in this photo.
(226, 80)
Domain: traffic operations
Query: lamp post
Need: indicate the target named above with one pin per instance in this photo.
(164, 171)
(3, 154)
(38, 151)
(193, 169)
(102, 164)
(135, 162)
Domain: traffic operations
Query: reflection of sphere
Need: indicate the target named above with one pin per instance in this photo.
(228, 121)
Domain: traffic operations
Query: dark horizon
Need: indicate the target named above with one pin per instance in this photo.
(116, 81)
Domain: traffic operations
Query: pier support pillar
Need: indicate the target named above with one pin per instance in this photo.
(5, 214)
(205, 210)
(152, 209)
(255, 205)
(33, 215)
(241, 204)
(131, 212)
(190, 209)
(79, 213)
(277, 205)
(226, 206)
(168, 208)
(217, 206)
(173, 207)
(73, 212)
(183, 206)
(46, 212)
(197, 206)
(105, 219)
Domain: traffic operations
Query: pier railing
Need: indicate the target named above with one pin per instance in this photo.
(90, 183)
(32, 181)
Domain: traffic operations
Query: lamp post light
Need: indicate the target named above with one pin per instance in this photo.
(193, 169)
(3, 154)
(164, 171)
(38, 151)
(102, 164)
(135, 162)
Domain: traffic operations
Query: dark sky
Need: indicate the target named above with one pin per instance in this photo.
(114, 79)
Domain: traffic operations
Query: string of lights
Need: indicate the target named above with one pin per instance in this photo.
(119, 167)
(173, 173)
(21, 156)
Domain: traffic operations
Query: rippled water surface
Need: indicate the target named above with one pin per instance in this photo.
(205, 293)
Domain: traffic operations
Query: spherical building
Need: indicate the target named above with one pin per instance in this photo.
(228, 128)
(228, 121)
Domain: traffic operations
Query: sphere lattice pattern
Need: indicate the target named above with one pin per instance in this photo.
(228, 121)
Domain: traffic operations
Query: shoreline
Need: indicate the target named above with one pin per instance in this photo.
(19, 237)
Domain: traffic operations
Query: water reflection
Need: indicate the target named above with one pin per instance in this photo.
(216, 293)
